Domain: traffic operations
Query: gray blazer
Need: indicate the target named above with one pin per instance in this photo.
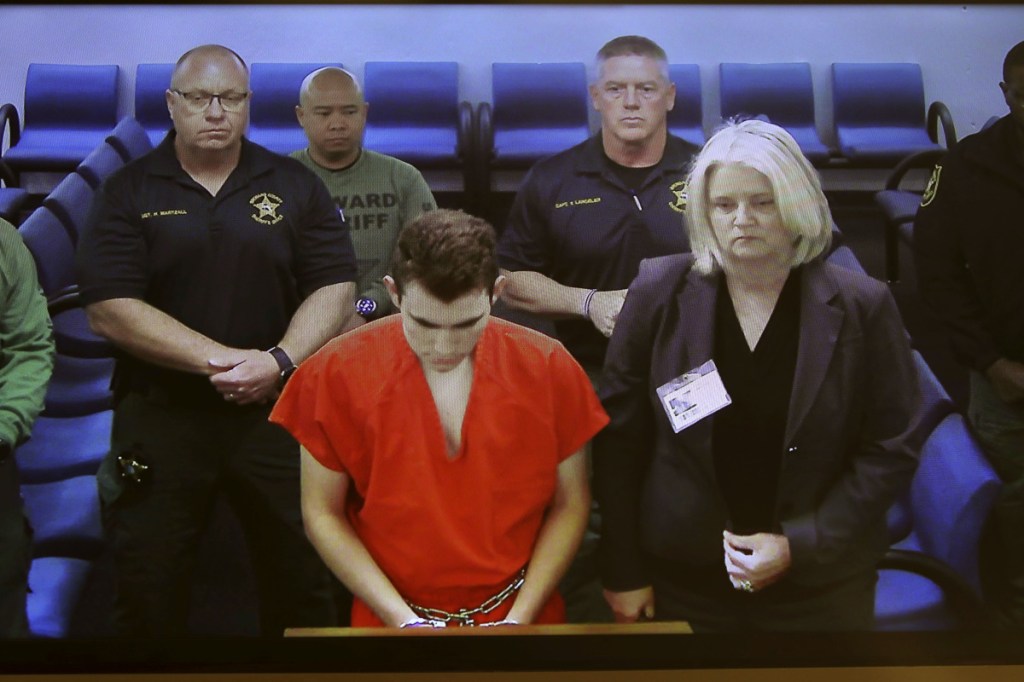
(849, 439)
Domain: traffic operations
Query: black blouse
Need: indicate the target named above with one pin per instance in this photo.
(747, 436)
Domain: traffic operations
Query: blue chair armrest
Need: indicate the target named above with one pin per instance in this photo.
(962, 599)
(938, 113)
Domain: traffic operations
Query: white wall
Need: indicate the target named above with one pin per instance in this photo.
(960, 48)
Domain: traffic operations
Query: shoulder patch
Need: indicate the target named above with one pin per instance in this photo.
(933, 186)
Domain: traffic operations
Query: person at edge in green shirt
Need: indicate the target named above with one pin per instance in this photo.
(376, 194)
(26, 362)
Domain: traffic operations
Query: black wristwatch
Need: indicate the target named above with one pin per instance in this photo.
(284, 363)
(367, 308)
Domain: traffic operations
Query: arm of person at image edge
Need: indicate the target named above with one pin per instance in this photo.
(117, 312)
(879, 456)
(525, 253)
(622, 451)
(947, 287)
(26, 340)
(416, 199)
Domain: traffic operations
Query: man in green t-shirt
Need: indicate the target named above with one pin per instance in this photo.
(26, 360)
(376, 194)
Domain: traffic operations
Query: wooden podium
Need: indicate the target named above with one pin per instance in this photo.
(646, 628)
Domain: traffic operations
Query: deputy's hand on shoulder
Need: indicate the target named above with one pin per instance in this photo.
(604, 310)
(246, 376)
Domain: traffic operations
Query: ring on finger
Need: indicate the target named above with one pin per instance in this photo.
(746, 586)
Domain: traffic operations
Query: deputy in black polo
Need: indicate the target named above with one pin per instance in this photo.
(585, 218)
(216, 267)
(582, 222)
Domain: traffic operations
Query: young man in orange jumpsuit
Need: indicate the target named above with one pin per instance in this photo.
(443, 479)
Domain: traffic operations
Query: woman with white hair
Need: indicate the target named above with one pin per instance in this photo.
(761, 403)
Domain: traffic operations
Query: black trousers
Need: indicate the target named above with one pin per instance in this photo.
(194, 452)
(15, 554)
(706, 599)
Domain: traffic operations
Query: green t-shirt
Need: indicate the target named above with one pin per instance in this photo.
(377, 195)
(26, 339)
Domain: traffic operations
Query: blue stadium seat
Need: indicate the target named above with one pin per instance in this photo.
(70, 201)
(879, 112)
(937, 405)
(272, 120)
(151, 83)
(65, 517)
(686, 119)
(64, 447)
(10, 124)
(538, 110)
(13, 199)
(54, 254)
(930, 580)
(782, 92)
(56, 583)
(69, 109)
(79, 386)
(129, 138)
(52, 249)
(415, 113)
(100, 163)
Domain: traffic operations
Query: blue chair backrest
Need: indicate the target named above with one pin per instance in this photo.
(275, 90)
(782, 92)
(951, 495)
(70, 201)
(129, 138)
(51, 248)
(412, 94)
(687, 117)
(78, 97)
(101, 162)
(151, 82)
(869, 95)
(551, 95)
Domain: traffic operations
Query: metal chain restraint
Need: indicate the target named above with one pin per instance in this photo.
(464, 617)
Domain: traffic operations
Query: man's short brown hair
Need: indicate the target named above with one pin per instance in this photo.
(623, 46)
(626, 46)
(449, 253)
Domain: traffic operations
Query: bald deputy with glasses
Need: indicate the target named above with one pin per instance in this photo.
(216, 267)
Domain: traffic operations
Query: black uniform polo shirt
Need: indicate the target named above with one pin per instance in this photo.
(234, 267)
(575, 221)
(969, 244)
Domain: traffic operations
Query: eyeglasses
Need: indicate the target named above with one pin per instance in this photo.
(198, 100)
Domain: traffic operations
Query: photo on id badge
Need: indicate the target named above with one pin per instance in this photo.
(693, 395)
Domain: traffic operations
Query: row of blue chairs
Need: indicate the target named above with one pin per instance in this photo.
(58, 464)
(536, 110)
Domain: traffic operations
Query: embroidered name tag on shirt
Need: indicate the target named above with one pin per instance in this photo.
(693, 395)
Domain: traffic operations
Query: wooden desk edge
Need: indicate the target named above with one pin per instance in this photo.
(657, 628)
